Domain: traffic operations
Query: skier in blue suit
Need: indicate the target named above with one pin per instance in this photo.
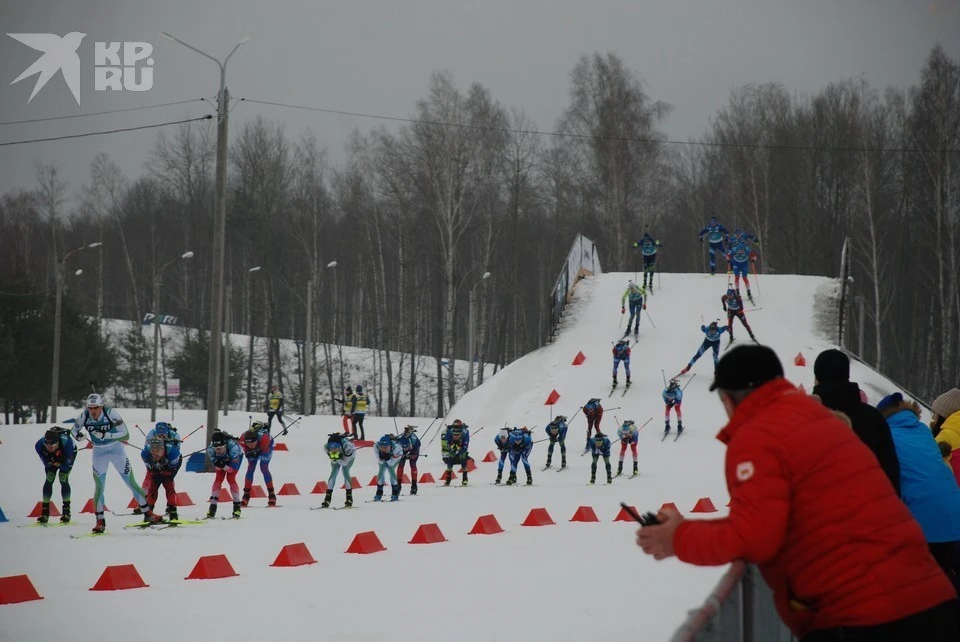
(715, 234)
(389, 455)
(711, 340)
(739, 259)
(520, 444)
(672, 398)
(410, 444)
(226, 455)
(57, 452)
(457, 439)
(649, 247)
(600, 447)
(557, 432)
(502, 442)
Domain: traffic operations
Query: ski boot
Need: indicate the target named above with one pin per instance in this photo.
(666, 429)
(730, 339)
(615, 376)
(246, 498)
(413, 488)
(628, 382)
(635, 470)
(620, 468)
(44, 513)
(137, 511)
(548, 463)
(379, 496)
(563, 462)
(149, 515)
(685, 370)
(529, 478)
(446, 482)
(65, 517)
(271, 497)
(593, 473)
(349, 500)
(172, 514)
(326, 499)
(170, 510)
(101, 524)
(609, 475)
(212, 511)
(499, 477)
(395, 495)
(236, 510)
(512, 479)
(679, 428)
(463, 474)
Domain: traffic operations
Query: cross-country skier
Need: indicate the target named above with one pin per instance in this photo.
(600, 447)
(520, 445)
(711, 340)
(502, 442)
(389, 454)
(410, 444)
(227, 456)
(161, 430)
(649, 247)
(621, 353)
(593, 411)
(162, 458)
(715, 233)
(739, 259)
(733, 306)
(557, 432)
(57, 452)
(629, 435)
(358, 410)
(258, 448)
(458, 446)
(345, 404)
(108, 434)
(274, 407)
(342, 453)
(672, 398)
(635, 294)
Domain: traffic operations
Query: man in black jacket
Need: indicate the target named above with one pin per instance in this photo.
(832, 384)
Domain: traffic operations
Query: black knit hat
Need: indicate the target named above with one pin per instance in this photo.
(832, 365)
(746, 367)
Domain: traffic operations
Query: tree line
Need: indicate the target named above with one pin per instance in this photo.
(414, 216)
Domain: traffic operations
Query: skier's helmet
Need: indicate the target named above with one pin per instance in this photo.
(219, 439)
(51, 438)
(674, 383)
(385, 441)
(731, 291)
(598, 438)
(516, 436)
(404, 443)
(163, 428)
(504, 435)
(156, 446)
(250, 437)
(94, 401)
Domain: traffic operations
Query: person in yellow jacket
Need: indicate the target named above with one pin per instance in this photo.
(358, 410)
(946, 418)
(274, 407)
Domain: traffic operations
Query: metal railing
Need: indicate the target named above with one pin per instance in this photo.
(739, 609)
(582, 260)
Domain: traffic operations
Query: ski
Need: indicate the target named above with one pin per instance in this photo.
(342, 507)
(633, 475)
(383, 501)
(627, 387)
(665, 435)
(678, 436)
(48, 524)
(561, 469)
(231, 518)
(124, 514)
(544, 468)
(87, 535)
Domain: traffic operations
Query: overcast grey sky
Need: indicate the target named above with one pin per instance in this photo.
(375, 56)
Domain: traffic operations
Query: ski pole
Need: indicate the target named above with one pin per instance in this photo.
(193, 431)
(688, 383)
(141, 430)
(664, 377)
(442, 422)
(620, 325)
(644, 424)
(650, 319)
(427, 431)
(289, 426)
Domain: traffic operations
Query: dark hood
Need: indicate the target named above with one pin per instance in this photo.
(839, 395)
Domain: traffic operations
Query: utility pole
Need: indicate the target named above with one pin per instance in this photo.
(226, 353)
(249, 296)
(308, 354)
(219, 239)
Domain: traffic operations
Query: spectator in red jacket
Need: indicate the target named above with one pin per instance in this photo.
(810, 505)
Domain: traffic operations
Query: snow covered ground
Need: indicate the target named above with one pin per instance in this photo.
(569, 581)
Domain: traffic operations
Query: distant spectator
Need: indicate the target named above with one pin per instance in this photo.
(811, 506)
(832, 384)
(928, 489)
(945, 422)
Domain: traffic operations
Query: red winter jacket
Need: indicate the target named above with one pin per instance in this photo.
(811, 506)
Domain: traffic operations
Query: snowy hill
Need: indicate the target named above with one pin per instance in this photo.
(569, 581)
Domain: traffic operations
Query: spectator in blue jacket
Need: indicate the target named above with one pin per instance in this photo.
(927, 487)
(57, 452)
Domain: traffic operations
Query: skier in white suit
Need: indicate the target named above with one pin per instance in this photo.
(108, 434)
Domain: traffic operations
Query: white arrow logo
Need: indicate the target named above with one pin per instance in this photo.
(59, 54)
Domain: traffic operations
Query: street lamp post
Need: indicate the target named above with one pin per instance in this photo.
(471, 324)
(219, 237)
(157, 281)
(58, 311)
(249, 297)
